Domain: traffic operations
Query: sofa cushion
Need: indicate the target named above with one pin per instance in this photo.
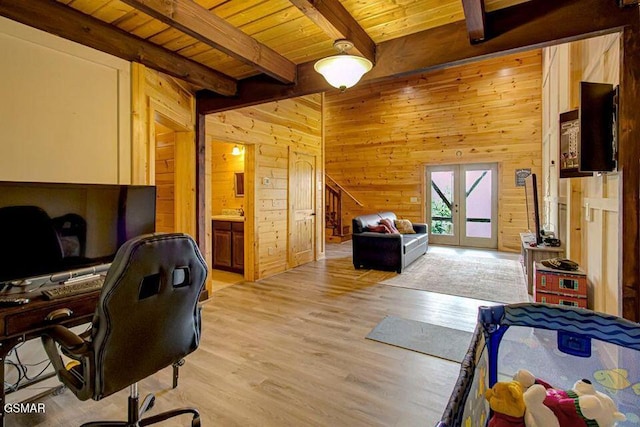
(404, 226)
(411, 241)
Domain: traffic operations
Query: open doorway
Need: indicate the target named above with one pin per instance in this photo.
(165, 178)
(174, 176)
(228, 203)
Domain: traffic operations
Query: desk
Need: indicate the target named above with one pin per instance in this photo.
(25, 322)
(532, 254)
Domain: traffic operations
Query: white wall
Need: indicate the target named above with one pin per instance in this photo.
(65, 110)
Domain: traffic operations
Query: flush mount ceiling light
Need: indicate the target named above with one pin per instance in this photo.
(342, 71)
(235, 151)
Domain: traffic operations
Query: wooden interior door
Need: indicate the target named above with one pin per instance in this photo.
(302, 212)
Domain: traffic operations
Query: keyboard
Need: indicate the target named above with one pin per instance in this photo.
(72, 289)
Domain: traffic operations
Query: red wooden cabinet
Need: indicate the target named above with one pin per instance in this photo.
(560, 287)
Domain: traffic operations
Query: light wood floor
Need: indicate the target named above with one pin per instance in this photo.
(290, 350)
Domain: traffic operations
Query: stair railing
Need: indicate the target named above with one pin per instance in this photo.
(333, 213)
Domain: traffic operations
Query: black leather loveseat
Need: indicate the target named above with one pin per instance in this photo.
(385, 251)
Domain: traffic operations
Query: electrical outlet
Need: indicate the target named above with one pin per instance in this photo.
(271, 251)
(266, 180)
(414, 200)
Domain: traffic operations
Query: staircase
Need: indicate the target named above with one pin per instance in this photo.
(337, 230)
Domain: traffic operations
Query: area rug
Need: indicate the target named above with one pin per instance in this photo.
(434, 340)
(483, 278)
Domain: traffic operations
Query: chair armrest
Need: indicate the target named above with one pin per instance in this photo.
(420, 227)
(79, 382)
(67, 339)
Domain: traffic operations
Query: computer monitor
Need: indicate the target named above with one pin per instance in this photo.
(50, 228)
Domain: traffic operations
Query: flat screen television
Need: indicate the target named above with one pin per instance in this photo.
(533, 211)
(598, 125)
(50, 228)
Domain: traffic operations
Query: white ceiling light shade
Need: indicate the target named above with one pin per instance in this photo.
(343, 71)
(236, 151)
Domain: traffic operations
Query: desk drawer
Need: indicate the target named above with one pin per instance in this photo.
(30, 318)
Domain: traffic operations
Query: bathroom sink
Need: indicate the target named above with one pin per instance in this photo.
(235, 218)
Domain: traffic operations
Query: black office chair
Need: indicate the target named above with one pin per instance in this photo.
(147, 319)
(28, 233)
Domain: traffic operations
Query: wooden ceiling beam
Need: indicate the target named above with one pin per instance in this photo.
(528, 25)
(205, 26)
(337, 23)
(475, 17)
(68, 23)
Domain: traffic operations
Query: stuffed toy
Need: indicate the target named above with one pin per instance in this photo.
(581, 406)
(608, 415)
(536, 413)
(505, 399)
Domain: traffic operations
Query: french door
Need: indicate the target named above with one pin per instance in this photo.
(462, 205)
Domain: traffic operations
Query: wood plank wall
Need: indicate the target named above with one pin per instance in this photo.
(162, 104)
(379, 138)
(269, 132)
(155, 97)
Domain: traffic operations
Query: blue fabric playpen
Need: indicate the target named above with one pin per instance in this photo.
(559, 345)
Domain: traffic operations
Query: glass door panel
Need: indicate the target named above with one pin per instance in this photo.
(442, 199)
(478, 202)
(442, 196)
(479, 206)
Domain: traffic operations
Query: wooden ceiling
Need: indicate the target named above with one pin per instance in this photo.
(242, 52)
(286, 27)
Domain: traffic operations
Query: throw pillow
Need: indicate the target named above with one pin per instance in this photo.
(404, 226)
(389, 224)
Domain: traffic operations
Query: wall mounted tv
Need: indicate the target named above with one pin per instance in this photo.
(598, 124)
(588, 135)
(49, 228)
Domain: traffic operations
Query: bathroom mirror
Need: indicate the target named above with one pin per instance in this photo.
(239, 183)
